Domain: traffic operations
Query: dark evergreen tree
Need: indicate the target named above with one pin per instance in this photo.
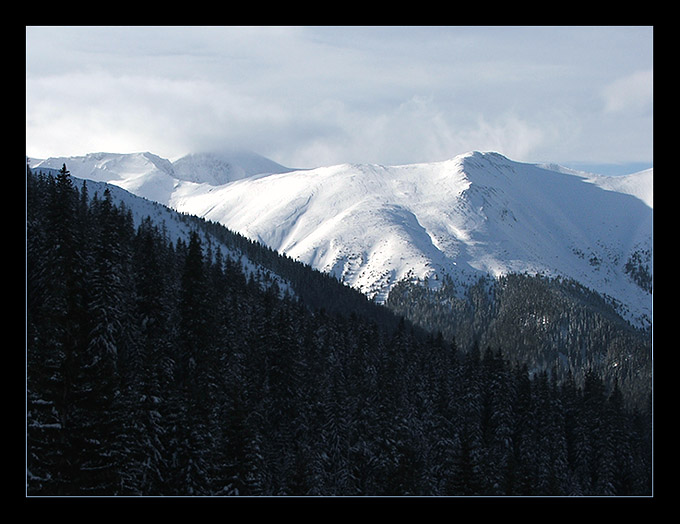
(58, 326)
(467, 472)
(588, 447)
(497, 423)
(193, 373)
(43, 356)
(108, 348)
(618, 455)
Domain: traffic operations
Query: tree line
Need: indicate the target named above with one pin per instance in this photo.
(158, 367)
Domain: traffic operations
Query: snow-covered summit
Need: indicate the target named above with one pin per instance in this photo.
(222, 167)
(476, 214)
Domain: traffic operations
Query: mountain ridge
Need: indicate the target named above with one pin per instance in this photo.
(478, 213)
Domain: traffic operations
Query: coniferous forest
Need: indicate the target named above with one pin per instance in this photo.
(159, 367)
(550, 324)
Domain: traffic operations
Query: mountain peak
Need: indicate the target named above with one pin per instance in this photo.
(219, 167)
(477, 154)
(485, 159)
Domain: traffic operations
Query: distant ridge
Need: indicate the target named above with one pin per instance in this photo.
(217, 168)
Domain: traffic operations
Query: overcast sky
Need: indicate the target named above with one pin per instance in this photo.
(313, 96)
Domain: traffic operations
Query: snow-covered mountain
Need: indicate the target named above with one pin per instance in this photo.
(372, 225)
(155, 178)
(143, 174)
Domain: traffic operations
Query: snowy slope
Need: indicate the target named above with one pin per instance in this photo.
(478, 213)
(640, 185)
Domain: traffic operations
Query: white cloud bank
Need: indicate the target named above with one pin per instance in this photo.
(309, 96)
(633, 93)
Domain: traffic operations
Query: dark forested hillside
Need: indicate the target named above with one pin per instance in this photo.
(159, 368)
(549, 324)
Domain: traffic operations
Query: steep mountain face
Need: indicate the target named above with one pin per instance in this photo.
(373, 226)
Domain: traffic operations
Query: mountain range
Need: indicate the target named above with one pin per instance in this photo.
(372, 226)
